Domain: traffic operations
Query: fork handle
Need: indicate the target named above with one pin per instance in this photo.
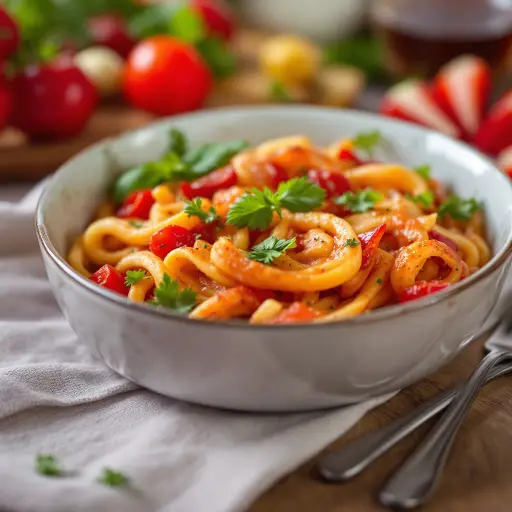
(415, 480)
(349, 461)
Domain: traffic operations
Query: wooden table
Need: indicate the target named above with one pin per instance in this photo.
(477, 478)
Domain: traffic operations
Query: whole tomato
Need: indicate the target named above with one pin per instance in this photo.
(52, 101)
(9, 35)
(165, 76)
(5, 104)
(110, 30)
(217, 16)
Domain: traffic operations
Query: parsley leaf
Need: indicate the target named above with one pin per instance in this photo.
(352, 242)
(423, 171)
(134, 276)
(194, 207)
(360, 201)
(366, 141)
(135, 223)
(254, 209)
(112, 478)
(458, 208)
(178, 142)
(425, 198)
(48, 465)
(270, 249)
(169, 295)
(277, 91)
(300, 195)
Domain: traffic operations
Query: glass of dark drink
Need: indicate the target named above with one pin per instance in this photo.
(419, 36)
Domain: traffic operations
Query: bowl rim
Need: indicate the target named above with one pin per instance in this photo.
(498, 260)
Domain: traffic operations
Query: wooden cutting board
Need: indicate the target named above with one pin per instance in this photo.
(23, 161)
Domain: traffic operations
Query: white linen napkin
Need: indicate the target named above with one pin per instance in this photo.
(56, 398)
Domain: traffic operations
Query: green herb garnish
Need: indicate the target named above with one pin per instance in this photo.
(270, 249)
(277, 91)
(458, 208)
(48, 465)
(168, 295)
(360, 201)
(255, 208)
(351, 242)
(423, 171)
(194, 207)
(113, 478)
(366, 141)
(425, 199)
(134, 276)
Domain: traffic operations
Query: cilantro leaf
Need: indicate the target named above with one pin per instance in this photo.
(270, 249)
(300, 195)
(458, 208)
(48, 465)
(366, 141)
(352, 242)
(277, 91)
(360, 201)
(423, 171)
(113, 478)
(178, 142)
(168, 294)
(253, 209)
(425, 199)
(134, 276)
(194, 207)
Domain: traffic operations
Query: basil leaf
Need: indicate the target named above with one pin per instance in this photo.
(178, 142)
(144, 176)
(213, 155)
(218, 56)
(187, 25)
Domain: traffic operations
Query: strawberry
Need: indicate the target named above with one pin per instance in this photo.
(461, 88)
(412, 101)
(495, 133)
(504, 161)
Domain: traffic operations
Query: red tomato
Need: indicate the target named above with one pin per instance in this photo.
(166, 76)
(263, 295)
(9, 35)
(348, 154)
(370, 243)
(277, 174)
(217, 17)
(108, 277)
(5, 105)
(111, 31)
(422, 289)
(298, 312)
(333, 183)
(207, 232)
(138, 204)
(209, 184)
(170, 238)
(52, 101)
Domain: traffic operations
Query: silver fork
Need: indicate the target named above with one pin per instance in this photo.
(349, 461)
(415, 481)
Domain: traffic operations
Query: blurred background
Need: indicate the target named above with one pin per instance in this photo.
(76, 71)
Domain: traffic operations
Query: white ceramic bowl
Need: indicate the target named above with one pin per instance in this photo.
(273, 368)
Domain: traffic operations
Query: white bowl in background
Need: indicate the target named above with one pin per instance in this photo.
(273, 368)
(322, 20)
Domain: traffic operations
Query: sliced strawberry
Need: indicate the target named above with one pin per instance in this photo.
(495, 133)
(461, 88)
(504, 161)
(412, 101)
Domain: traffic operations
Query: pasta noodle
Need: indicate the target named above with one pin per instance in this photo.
(283, 232)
